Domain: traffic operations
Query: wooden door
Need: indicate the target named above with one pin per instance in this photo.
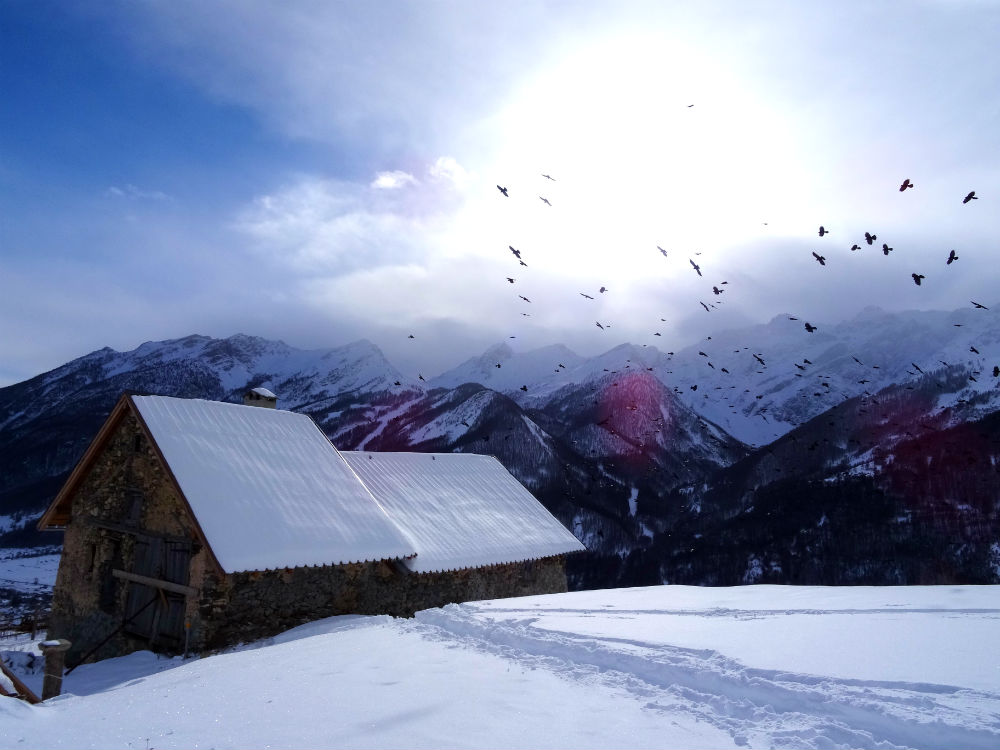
(152, 612)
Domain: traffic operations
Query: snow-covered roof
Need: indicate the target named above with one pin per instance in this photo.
(267, 487)
(461, 510)
(261, 391)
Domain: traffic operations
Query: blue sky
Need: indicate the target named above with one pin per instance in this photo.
(321, 172)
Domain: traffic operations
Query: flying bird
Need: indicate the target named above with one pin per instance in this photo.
(549, 177)
(917, 277)
(662, 251)
(503, 190)
(978, 306)
(603, 289)
(544, 200)
(411, 336)
(586, 295)
(974, 350)
(716, 291)
(823, 230)
(757, 357)
(870, 238)
(517, 253)
(917, 367)
(970, 197)
(599, 325)
(906, 184)
(704, 305)
(952, 257)
(855, 247)
(996, 371)
(695, 266)
(810, 328)
(524, 298)
(886, 249)
(510, 279)
(819, 258)
(524, 388)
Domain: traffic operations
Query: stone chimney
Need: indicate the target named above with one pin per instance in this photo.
(260, 397)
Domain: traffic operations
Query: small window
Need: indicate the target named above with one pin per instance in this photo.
(137, 444)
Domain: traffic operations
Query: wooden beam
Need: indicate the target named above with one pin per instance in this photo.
(175, 588)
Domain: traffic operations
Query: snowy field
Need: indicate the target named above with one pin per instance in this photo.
(661, 667)
(29, 570)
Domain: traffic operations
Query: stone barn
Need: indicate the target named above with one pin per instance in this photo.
(193, 525)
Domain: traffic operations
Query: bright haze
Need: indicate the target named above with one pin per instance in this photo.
(321, 172)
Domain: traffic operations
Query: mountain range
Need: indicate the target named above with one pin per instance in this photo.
(863, 452)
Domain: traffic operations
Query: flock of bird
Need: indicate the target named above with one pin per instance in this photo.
(719, 288)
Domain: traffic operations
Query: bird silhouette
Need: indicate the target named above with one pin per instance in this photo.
(662, 251)
(524, 298)
(906, 184)
(974, 350)
(549, 177)
(952, 257)
(855, 247)
(819, 258)
(823, 230)
(870, 238)
(503, 190)
(886, 249)
(704, 305)
(695, 266)
(757, 357)
(517, 253)
(411, 336)
(917, 277)
(544, 200)
(524, 388)
(586, 295)
(603, 289)
(970, 197)
(419, 376)
(810, 328)
(996, 371)
(978, 306)
(510, 279)
(716, 291)
(599, 325)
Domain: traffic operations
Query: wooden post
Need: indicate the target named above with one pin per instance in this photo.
(55, 660)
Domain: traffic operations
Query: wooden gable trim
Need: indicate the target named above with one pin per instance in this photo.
(58, 513)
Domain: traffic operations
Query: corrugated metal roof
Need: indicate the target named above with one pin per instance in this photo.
(462, 510)
(267, 487)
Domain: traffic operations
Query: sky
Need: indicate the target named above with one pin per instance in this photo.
(321, 172)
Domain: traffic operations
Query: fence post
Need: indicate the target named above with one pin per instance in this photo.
(55, 660)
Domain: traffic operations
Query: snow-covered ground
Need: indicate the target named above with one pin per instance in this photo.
(32, 570)
(671, 666)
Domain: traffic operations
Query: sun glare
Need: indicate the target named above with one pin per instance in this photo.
(647, 140)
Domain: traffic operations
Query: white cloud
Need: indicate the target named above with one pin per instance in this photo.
(448, 169)
(393, 180)
(135, 193)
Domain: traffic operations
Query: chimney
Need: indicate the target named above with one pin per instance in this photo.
(260, 397)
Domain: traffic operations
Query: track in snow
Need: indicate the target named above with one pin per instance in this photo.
(757, 707)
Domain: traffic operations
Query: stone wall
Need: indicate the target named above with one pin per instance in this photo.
(249, 606)
(126, 491)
